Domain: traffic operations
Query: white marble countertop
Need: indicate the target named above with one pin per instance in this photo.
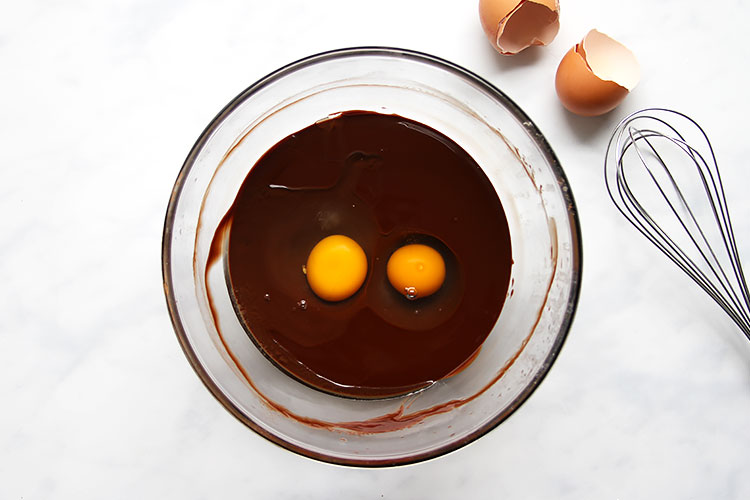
(100, 103)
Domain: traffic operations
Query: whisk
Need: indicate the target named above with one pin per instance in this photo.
(661, 173)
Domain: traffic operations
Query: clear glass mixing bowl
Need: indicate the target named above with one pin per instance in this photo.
(545, 240)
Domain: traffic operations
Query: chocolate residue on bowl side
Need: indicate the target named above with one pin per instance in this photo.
(398, 419)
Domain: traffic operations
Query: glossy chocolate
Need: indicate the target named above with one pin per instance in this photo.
(384, 181)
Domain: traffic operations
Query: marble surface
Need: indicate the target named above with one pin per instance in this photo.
(100, 103)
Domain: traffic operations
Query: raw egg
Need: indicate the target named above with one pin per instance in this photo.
(416, 270)
(513, 25)
(596, 75)
(336, 268)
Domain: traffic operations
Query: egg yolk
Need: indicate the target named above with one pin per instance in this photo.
(416, 270)
(336, 268)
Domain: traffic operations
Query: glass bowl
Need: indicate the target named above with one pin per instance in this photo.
(545, 275)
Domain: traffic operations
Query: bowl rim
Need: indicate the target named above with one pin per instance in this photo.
(515, 110)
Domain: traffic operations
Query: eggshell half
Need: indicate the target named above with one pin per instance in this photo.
(513, 25)
(596, 75)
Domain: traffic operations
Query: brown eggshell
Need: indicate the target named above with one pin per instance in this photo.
(492, 12)
(513, 25)
(582, 92)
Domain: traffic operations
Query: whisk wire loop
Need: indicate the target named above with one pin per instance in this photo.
(708, 254)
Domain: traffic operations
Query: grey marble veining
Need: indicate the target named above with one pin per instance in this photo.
(100, 104)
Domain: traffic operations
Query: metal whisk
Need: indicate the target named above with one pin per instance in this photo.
(661, 173)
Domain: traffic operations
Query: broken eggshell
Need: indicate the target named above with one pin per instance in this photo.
(596, 75)
(513, 25)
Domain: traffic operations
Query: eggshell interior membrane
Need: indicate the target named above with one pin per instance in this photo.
(515, 25)
(611, 61)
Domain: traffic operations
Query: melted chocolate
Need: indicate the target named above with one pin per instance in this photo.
(384, 181)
